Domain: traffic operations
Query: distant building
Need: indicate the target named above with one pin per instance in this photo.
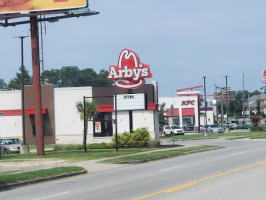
(221, 95)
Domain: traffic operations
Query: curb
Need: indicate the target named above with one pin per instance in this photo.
(39, 180)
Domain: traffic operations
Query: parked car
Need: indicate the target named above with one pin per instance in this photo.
(189, 127)
(241, 126)
(10, 145)
(211, 128)
(173, 130)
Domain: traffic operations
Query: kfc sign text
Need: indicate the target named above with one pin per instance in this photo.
(187, 103)
(130, 73)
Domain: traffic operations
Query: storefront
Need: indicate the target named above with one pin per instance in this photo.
(62, 121)
(183, 110)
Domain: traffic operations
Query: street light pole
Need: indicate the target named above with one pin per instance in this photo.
(205, 106)
(22, 86)
(227, 104)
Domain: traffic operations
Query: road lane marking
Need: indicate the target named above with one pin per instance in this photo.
(235, 154)
(198, 181)
(162, 170)
(50, 196)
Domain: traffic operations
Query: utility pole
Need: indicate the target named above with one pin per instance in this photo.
(243, 100)
(22, 86)
(227, 104)
(205, 107)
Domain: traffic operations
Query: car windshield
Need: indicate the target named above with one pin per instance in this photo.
(13, 141)
(214, 126)
(175, 127)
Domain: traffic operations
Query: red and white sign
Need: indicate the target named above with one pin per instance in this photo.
(263, 76)
(130, 73)
(187, 103)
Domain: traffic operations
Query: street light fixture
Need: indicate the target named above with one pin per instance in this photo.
(22, 86)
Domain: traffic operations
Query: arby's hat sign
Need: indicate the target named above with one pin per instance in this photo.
(130, 73)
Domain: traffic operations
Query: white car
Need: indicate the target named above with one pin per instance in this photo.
(173, 130)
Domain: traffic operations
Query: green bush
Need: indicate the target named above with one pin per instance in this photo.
(98, 146)
(257, 128)
(67, 147)
(137, 138)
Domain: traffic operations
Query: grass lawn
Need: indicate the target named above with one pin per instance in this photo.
(230, 135)
(76, 155)
(167, 153)
(15, 177)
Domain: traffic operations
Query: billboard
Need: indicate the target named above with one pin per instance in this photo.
(26, 6)
(263, 76)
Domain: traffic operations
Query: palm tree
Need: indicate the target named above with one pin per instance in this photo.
(90, 112)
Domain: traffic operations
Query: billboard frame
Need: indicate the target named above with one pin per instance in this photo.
(40, 11)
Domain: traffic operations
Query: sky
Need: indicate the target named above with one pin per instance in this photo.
(181, 40)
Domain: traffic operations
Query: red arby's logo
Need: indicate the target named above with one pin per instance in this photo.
(130, 73)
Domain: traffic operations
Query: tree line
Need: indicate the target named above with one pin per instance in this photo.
(67, 76)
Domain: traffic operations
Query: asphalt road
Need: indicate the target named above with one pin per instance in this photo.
(237, 171)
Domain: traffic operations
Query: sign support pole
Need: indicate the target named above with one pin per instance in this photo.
(37, 86)
(116, 139)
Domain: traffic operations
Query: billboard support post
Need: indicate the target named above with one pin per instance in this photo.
(37, 86)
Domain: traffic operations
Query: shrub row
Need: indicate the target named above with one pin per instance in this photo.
(138, 138)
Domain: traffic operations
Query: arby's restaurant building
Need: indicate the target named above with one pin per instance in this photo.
(130, 104)
(135, 103)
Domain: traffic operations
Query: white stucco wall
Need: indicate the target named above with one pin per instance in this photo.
(177, 103)
(67, 118)
(10, 126)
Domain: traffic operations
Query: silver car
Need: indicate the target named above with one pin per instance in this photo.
(212, 128)
(10, 145)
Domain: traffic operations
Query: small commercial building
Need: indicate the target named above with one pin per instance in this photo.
(62, 123)
(183, 110)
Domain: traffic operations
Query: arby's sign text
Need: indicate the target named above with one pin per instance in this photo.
(130, 73)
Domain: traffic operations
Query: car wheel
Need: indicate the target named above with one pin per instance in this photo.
(211, 131)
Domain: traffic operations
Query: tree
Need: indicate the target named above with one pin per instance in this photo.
(162, 111)
(90, 112)
(87, 77)
(15, 83)
(69, 76)
(101, 80)
(3, 85)
(52, 77)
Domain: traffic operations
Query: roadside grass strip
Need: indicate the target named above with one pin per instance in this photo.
(160, 154)
(18, 177)
(76, 155)
(230, 135)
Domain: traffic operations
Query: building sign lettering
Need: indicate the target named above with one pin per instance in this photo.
(130, 73)
(187, 103)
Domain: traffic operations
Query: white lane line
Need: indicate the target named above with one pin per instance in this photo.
(162, 170)
(235, 154)
(54, 195)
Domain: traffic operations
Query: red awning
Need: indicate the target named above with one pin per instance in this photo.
(31, 111)
(188, 112)
(176, 112)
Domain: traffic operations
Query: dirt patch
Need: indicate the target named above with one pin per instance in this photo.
(31, 164)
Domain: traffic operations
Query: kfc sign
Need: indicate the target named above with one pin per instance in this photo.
(130, 73)
(187, 103)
